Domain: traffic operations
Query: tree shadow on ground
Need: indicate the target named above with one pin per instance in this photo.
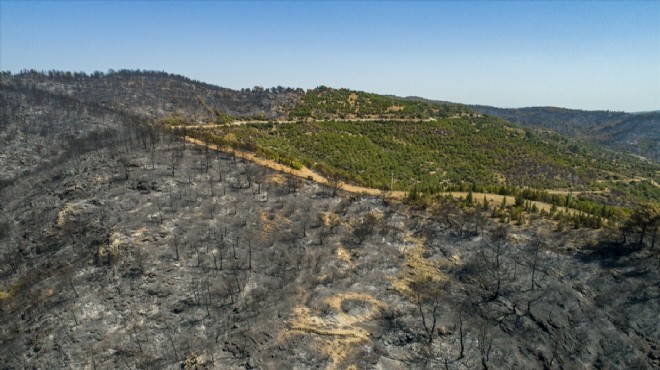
(609, 254)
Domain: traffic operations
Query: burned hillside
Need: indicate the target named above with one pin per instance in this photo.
(122, 246)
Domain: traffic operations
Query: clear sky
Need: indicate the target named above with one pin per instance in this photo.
(586, 55)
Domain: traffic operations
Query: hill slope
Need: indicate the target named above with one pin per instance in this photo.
(637, 133)
(439, 154)
(158, 94)
(130, 248)
(369, 139)
(324, 103)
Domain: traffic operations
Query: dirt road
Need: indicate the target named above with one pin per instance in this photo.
(306, 173)
(240, 123)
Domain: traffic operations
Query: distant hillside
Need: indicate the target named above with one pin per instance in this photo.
(159, 94)
(442, 154)
(637, 133)
(328, 103)
(369, 139)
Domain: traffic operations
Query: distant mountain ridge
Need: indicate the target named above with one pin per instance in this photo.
(637, 133)
(159, 94)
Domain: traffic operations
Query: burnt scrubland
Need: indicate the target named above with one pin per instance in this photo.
(122, 245)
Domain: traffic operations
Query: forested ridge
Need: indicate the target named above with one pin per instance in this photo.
(328, 103)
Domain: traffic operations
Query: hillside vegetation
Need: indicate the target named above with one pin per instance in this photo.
(637, 133)
(368, 139)
(445, 154)
(328, 103)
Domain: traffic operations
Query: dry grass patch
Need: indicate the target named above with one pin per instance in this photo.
(272, 224)
(67, 214)
(345, 255)
(6, 294)
(276, 179)
(46, 293)
(140, 235)
(352, 99)
(329, 220)
(117, 243)
(416, 268)
(396, 108)
(337, 334)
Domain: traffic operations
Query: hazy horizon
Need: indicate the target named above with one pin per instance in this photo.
(580, 55)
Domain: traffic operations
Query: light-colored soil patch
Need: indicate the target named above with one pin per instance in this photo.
(329, 220)
(276, 179)
(345, 255)
(271, 224)
(352, 99)
(395, 108)
(496, 199)
(417, 268)
(336, 334)
(140, 235)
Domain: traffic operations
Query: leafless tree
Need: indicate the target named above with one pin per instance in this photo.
(485, 339)
(428, 293)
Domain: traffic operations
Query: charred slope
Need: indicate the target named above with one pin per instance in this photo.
(159, 94)
(166, 256)
(40, 128)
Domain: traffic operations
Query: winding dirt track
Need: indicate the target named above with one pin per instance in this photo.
(240, 123)
(306, 173)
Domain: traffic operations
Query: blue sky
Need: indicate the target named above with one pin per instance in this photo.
(586, 55)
